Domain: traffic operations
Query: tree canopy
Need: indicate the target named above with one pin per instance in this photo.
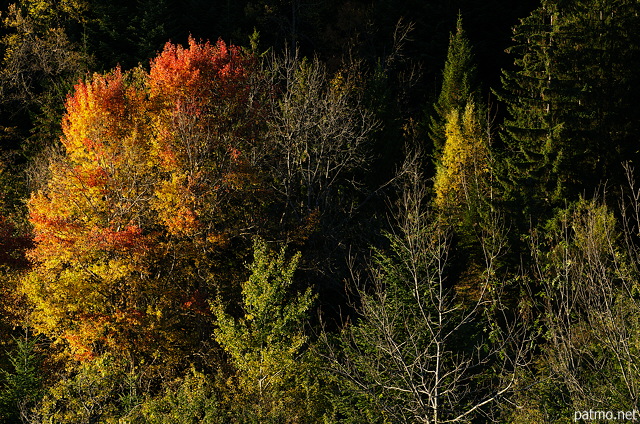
(335, 212)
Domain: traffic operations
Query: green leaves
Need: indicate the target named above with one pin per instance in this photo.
(458, 87)
(193, 400)
(267, 342)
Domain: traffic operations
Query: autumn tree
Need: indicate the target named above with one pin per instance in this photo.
(210, 195)
(90, 247)
(206, 136)
(150, 187)
(462, 183)
(461, 133)
(464, 194)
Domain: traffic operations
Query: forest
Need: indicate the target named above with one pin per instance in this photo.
(293, 211)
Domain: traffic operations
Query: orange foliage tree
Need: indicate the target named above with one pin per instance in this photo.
(206, 130)
(155, 167)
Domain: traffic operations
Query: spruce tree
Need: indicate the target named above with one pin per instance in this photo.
(606, 57)
(458, 86)
(532, 130)
(568, 101)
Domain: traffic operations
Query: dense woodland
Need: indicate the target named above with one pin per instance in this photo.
(269, 211)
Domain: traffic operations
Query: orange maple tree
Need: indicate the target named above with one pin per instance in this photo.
(155, 170)
(206, 124)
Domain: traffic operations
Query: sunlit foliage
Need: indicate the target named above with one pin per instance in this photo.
(140, 199)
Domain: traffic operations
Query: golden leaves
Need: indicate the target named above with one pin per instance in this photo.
(464, 164)
(150, 162)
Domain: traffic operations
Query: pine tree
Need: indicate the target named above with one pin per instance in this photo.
(458, 86)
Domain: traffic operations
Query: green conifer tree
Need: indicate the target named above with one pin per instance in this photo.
(533, 130)
(458, 86)
(20, 387)
(604, 54)
(569, 126)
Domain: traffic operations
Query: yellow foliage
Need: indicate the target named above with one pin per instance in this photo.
(87, 244)
(46, 11)
(146, 190)
(461, 177)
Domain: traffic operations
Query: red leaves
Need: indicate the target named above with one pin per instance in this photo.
(103, 99)
(97, 177)
(162, 156)
(234, 154)
(153, 167)
(52, 230)
(91, 176)
(130, 238)
(203, 88)
(197, 302)
(180, 73)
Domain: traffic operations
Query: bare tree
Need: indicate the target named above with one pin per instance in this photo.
(418, 352)
(318, 131)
